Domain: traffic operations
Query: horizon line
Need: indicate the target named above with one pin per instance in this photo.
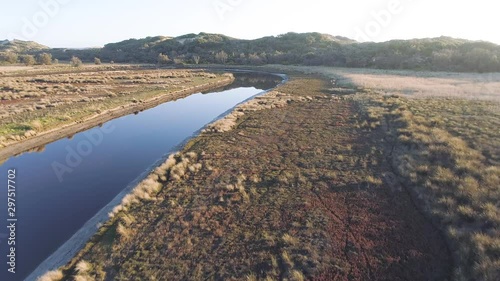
(236, 38)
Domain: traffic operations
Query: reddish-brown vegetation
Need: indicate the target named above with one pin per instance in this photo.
(302, 191)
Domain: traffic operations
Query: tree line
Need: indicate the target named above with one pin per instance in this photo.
(40, 59)
(440, 54)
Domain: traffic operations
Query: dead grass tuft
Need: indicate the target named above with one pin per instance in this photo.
(54, 275)
(269, 100)
(83, 267)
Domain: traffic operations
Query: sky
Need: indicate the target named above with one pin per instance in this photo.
(93, 23)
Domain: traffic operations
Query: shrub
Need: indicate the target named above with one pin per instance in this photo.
(97, 61)
(192, 155)
(76, 62)
(11, 57)
(169, 163)
(45, 59)
(28, 60)
(179, 170)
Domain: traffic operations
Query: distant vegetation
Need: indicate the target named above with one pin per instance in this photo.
(76, 62)
(19, 46)
(45, 59)
(440, 54)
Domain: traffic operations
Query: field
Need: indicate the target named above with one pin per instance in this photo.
(35, 101)
(337, 175)
(447, 152)
(272, 193)
(445, 138)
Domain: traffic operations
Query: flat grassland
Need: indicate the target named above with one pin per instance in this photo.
(293, 185)
(413, 84)
(36, 101)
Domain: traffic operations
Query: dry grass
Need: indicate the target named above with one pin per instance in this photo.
(297, 276)
(266, 200)
(43, 101)
(443, 140)
(176, 166)
(54, 275)
(83, 278)
(83, 267)
(9, 68)
(445, 145)
(415, 84)
(269, 100)
(462, 171)
(289, 239)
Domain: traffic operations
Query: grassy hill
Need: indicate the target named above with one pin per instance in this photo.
(19, 46)
(10, 50)
(439, 54)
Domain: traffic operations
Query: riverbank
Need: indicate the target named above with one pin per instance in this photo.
(291, 185)
(45, 137)
(136, 145)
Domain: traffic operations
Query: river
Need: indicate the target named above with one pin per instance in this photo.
(66, 188)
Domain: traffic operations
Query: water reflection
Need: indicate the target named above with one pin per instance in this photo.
(50, 211)
(251, 79)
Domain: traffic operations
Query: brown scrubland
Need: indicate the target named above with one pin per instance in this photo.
(50, 103)
(316, 180)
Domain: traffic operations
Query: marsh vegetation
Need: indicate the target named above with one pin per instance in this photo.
(31, 103)
(336, 175)
(290, 186)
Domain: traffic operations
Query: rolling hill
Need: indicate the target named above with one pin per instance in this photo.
(439, 54)
(19, 46)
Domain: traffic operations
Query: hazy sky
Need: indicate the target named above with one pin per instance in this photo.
(87, 23)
